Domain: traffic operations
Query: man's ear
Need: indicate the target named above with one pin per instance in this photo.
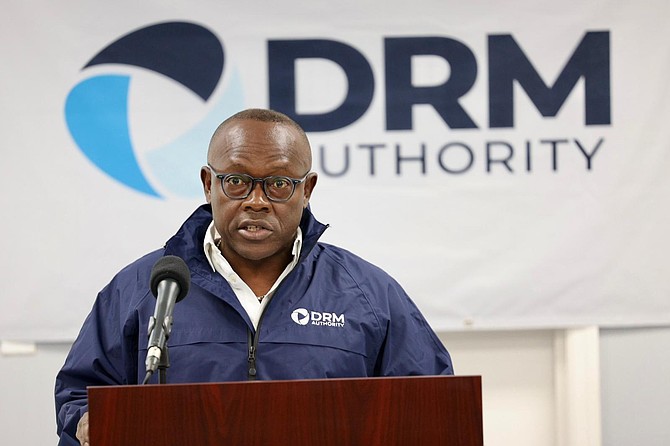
(206, 178)
(310, 184)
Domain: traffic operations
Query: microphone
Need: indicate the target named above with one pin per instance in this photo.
(170, 281)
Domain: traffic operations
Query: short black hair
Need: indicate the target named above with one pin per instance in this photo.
(263, 115)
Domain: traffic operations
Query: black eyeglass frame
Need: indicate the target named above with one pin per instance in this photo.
(253, 180)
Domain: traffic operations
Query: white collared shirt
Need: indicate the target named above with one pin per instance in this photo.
(245, 295)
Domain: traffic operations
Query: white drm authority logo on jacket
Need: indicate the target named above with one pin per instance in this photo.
(303, 316)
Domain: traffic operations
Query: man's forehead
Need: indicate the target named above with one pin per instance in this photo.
(245, 155)
(249, 129)
(246, 140)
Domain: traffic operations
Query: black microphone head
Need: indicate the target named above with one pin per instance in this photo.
(174, 268)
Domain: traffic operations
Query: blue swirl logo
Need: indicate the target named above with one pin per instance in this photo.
(98, 115)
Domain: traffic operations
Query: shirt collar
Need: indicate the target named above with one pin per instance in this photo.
(211, 250)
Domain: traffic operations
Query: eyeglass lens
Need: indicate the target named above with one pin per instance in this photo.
(276, 188)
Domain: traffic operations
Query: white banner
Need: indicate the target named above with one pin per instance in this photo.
(506, 162)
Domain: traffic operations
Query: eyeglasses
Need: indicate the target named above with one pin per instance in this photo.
(238, 186)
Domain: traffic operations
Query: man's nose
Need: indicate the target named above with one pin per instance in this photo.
(257, 198)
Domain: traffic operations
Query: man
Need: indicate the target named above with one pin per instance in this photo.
(258, 275)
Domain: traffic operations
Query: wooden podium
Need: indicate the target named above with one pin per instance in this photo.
(407, 411)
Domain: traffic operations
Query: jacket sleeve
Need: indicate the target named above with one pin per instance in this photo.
(410, 346)
(97, 357)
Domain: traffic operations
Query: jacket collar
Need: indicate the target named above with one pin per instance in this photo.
(187, 243)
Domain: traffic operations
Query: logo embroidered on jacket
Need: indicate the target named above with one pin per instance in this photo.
(303, 316)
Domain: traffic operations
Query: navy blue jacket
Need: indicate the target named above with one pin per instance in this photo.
(335, 315)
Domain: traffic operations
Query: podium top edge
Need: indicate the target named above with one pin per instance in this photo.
(476, 378)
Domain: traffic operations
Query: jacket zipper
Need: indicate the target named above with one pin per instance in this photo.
(253, 345)
(252, 338)
(251, 359)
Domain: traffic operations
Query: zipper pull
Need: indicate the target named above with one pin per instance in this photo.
(252, 362)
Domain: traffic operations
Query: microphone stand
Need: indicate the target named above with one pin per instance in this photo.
(164, 360)
(163, 365)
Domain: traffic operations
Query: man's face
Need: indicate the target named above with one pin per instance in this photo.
(255, 229)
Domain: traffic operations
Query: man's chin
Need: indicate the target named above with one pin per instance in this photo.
(257, 253)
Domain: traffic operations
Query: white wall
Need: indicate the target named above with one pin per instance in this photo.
(515, 366)
(636, 386)
(519, 375)
(27, 413)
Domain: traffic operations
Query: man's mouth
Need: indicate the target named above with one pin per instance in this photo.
(254, 231)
